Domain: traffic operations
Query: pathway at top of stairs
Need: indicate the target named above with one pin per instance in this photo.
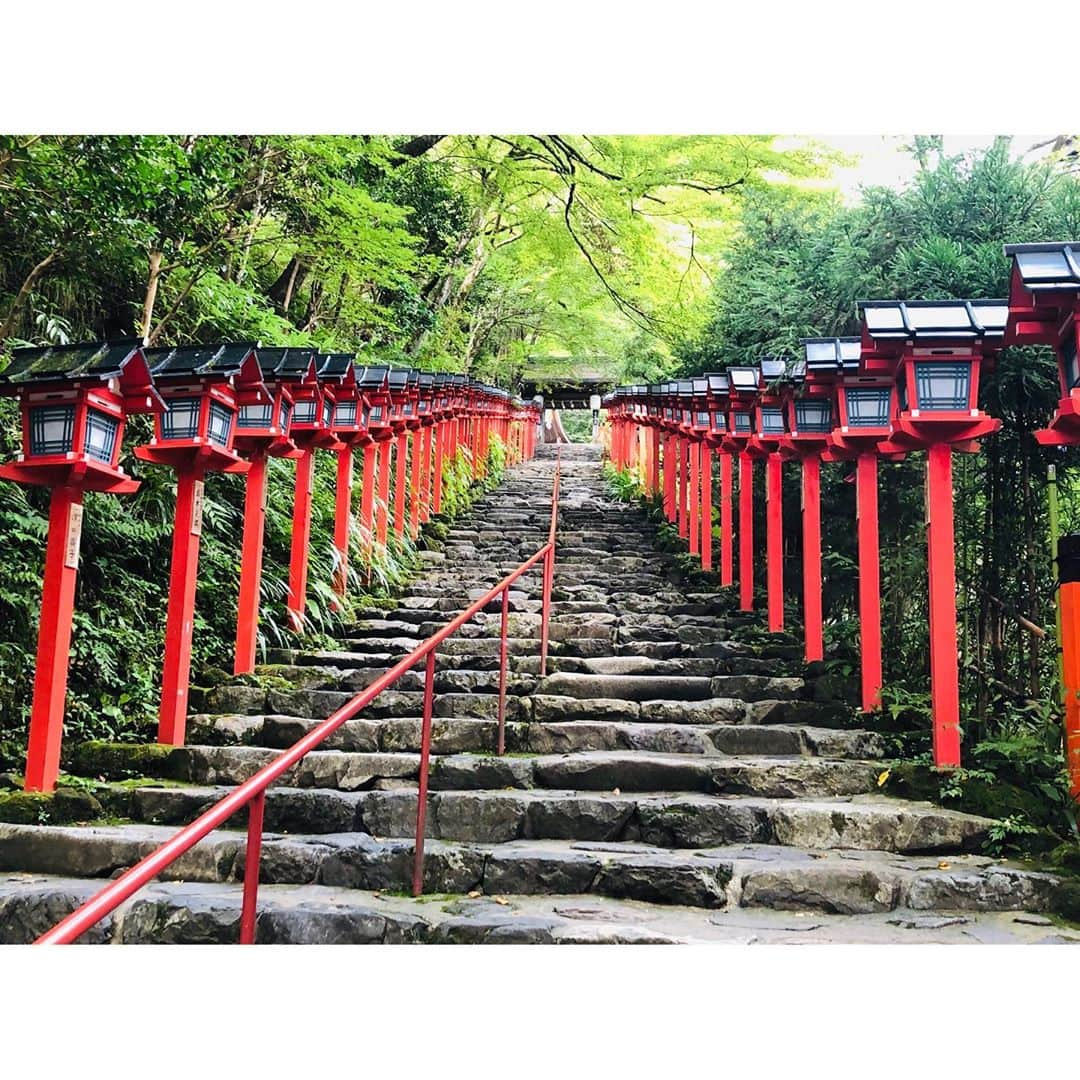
(673, 778)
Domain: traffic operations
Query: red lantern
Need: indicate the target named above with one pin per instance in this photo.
(193, 435)
(74, 400)
(935, 350)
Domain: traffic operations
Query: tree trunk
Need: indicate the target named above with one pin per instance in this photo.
(289, 280)
(24, 291)
(152, 281)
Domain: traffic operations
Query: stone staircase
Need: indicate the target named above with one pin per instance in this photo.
(675, 777)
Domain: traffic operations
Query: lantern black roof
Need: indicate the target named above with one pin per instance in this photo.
(334, 365)
(397, 378)
(100, 360)
(285, 363)
(426, 381)
(183, 361)
(745, 379)
(913, 320)
(718, 382)
(832, 355)
(773, 368)
(372, 378)
(1044, 267)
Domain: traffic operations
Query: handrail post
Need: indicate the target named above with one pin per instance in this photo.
(425, 756)
(252, 861)
(501, 744)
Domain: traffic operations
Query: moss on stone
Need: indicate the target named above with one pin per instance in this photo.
(25, 807)
(119, 761)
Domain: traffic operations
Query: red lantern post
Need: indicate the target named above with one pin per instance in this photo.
(373, 383)
(348, 421)
(262, 431)
(811, 412)
(935, 350)
(193, 436)
(313, 409)
(769, 431)
(1044, 309)
(718, 404)
(74, 400)
(743, 388)
(862, 425)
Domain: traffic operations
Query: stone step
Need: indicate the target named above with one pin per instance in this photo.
(607, 770)
(679, 821)
(199, 913)
(452, 735)
(586, 770)
(849, 883)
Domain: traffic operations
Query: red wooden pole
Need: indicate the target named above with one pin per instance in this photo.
(425, 758)
(774, 539)
(681, 449)
(367, 497)
(183, 575)
(727, 523)
(251, 556)
(442, 432)
(869, 580)
(654, 462)
(414, 486)
(382, 510)
(1069, 598)
(669, 475)
(425, 474)
(693, 509)
(500, 744)
(252, 860)
(706, 505)
(342, 513)
(941, 564)
(54, 639)
(811, 523)
(402, 453)
(746, 532)
(301, 538)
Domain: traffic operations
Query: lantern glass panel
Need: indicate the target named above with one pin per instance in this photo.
(868, 406)
(702, 419)
(406, 409)
(743, 422)
(1071, 361)
(327, 412)
(52, 428)
(943, 387)
(221, 422)
(100, 435)
(181, 419)
(255, 416)
(284, 414)
(718, 422)
(422, 407)
(772, 421)
(345, 414)
(376, 414)
(304, 412)
(814, 417)
(687, 416)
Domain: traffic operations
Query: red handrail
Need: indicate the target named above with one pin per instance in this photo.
(253, 791)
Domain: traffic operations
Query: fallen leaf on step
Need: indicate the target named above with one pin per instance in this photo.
(944, 865)
(882, 777)
(474, 894)
(501, 900)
